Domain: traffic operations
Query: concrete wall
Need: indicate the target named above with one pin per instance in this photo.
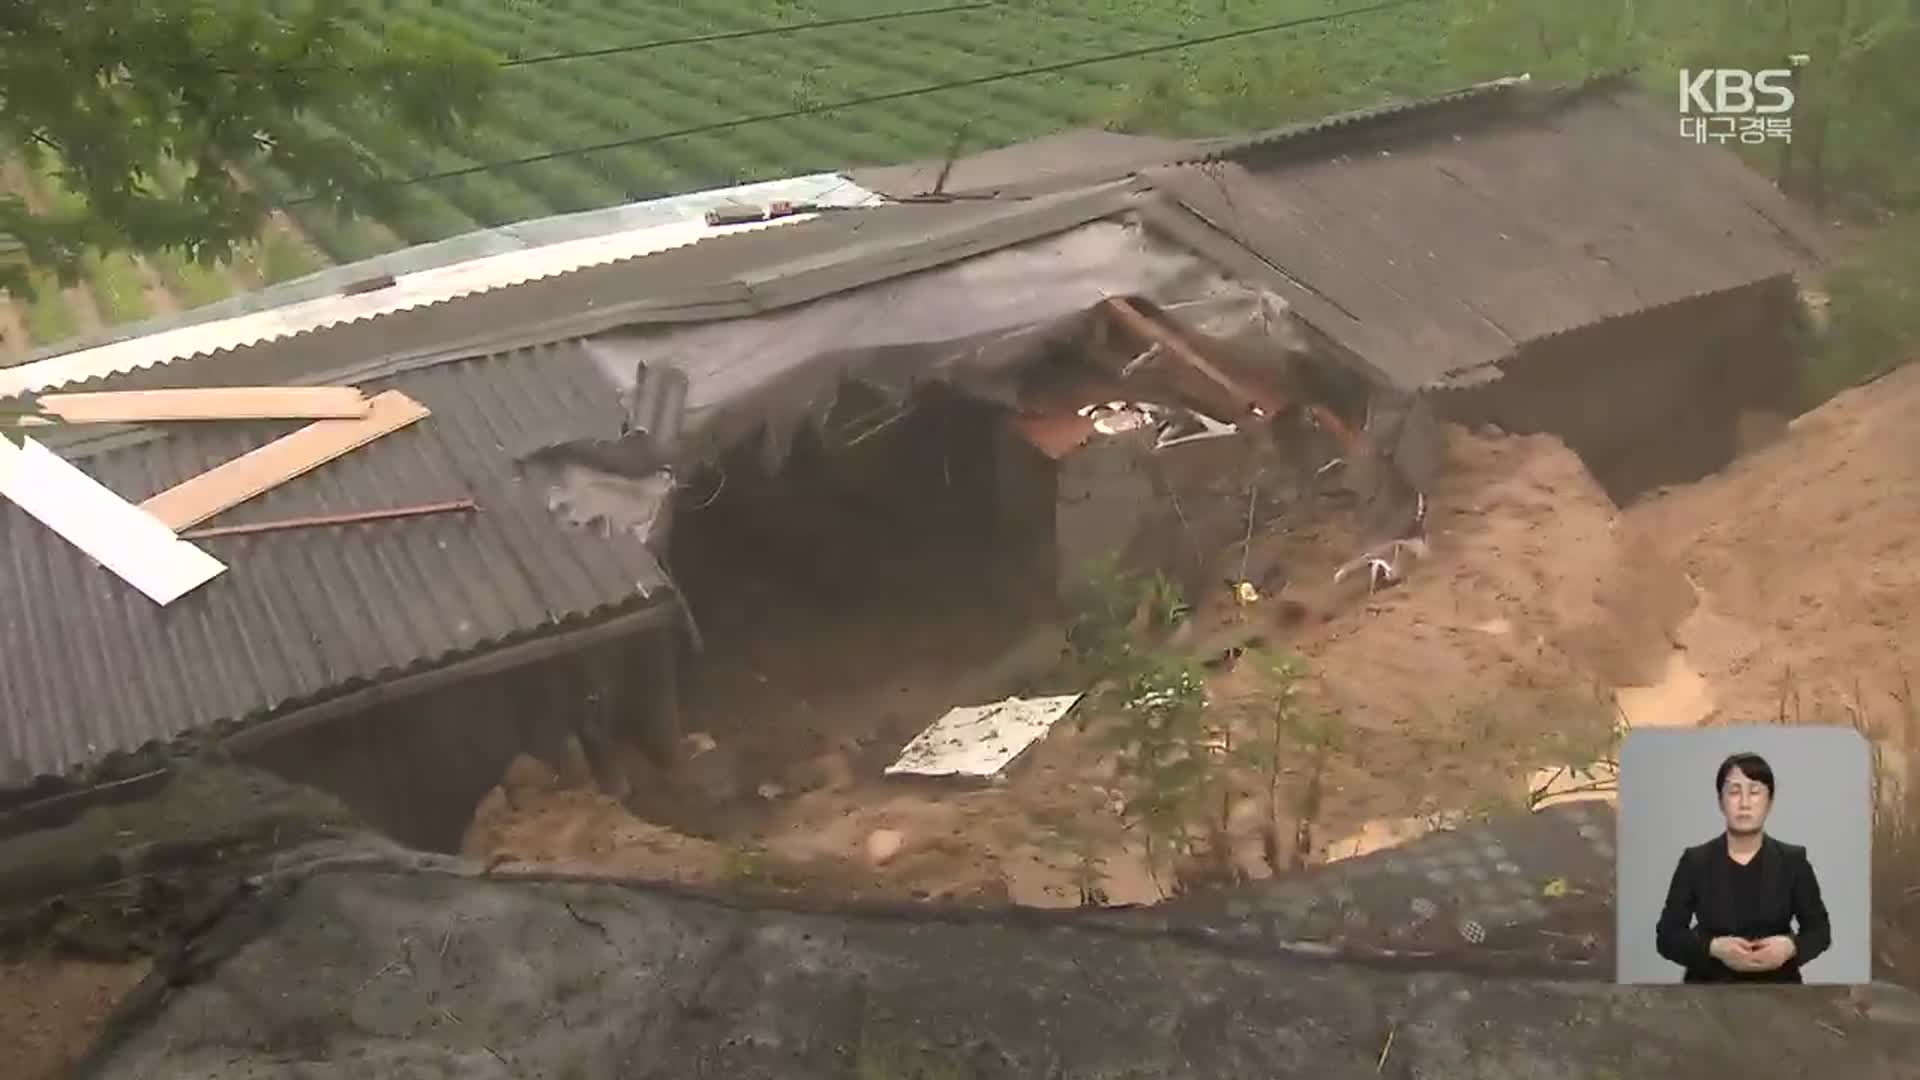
(1652, 399)
(1180, 511)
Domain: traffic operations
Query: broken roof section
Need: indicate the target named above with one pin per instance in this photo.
(543, 440)
(1420, 240)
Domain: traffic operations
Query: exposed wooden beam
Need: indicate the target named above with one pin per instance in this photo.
(205, 403)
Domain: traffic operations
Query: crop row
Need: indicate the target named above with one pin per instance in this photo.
(647, 96)
(650, 102)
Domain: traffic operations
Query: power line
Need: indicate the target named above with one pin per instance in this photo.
(758, 31)
(894, 95)
(664, 43)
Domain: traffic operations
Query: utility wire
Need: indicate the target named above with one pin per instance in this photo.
(664, 43)
(894, 95)
(758, 31)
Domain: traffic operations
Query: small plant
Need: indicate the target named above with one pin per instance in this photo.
(1582, 746)
(1098, 635)
(1287, 729)
(746, 864)
(1111, 605)
(1168, 756)
(1066, 834)
(1166, 604)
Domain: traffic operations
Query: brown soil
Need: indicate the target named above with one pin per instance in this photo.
(51, 1008)
(1452, 688)
(1807, 557)
(1501, 652)
(1540, 617)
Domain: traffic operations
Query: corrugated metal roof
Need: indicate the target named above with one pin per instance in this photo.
(88, 666)
(1301, 135)
(431, 284)
(725, 277)
(1437, 255)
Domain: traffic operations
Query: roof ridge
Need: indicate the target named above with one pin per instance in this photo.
(1234, 147)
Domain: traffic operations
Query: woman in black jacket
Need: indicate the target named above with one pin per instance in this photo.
(1744, 907)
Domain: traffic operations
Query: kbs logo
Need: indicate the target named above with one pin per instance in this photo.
(1732, 92)
(1724, 104)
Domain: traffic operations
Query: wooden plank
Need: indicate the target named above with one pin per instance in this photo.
(122, 537)
(208, 403)
(1152, 331)
(228, 485)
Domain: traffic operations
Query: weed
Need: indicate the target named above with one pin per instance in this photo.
(1166, 604)
(1167, 757)
(746, 864)
(1890, 720)
(1112, 603)
(1283, 727)
(1063, 833)
(1580, 742)
(1098, 634)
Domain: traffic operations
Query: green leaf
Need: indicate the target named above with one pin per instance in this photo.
(140, 111)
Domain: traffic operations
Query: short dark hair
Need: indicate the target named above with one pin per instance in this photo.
(1751, 765)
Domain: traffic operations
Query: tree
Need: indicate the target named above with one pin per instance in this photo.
(1856, 123)
(151, 110)
(1854, 118)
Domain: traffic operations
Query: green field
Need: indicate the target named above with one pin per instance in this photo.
(546, 107)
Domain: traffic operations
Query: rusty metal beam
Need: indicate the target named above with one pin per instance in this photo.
(322, 520)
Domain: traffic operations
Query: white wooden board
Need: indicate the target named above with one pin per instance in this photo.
(981, 740)
(117, 534)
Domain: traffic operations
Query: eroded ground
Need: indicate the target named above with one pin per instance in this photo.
(1540, 617)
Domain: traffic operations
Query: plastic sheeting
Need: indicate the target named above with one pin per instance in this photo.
(975, 325)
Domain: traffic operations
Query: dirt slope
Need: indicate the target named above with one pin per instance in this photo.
(1807, 555)
(1502, 650)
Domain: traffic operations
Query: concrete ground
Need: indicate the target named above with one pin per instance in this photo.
(1525, 893)
(402, 966)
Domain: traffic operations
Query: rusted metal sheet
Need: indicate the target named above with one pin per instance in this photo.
(1053, 434)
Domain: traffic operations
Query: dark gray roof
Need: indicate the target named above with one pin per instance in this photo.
(89, 666)
(1432, 246)
(731, 276)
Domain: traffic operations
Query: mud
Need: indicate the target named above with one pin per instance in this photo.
(1807, 558)
(52, 1007)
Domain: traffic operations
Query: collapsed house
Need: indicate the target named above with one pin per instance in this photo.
(964, 398)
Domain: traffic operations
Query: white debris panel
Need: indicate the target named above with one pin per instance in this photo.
(119, 535)
(981, 740)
